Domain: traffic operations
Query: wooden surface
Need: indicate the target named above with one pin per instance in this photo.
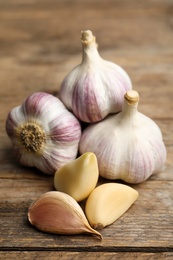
(39, 45)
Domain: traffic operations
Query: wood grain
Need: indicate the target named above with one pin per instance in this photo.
(39, 45)
(26, 255)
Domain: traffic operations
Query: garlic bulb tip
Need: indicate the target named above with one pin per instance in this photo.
(132, 97)
(87, 37)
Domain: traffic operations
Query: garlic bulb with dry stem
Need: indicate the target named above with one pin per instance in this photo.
(128, 145)
(43, 132)
(57, 212)
(96, 87)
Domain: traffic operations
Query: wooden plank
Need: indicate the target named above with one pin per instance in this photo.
(153, 82)
(147, 224)
(37, 59)
(26, 255)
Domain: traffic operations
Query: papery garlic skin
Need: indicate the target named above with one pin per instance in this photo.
(43, 132)
(57, 212)
(96, 87)
(129, 145)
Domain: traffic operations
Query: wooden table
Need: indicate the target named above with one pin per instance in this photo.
(39, 45)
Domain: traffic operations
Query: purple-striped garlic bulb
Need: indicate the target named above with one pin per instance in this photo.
(96, 87)
(128, 146)
(43, 132)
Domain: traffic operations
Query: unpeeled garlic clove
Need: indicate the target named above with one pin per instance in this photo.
(95, 87)
(79, 177)
(108, 202)
(57, 212)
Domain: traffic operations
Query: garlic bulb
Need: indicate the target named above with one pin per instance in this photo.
(57, 212)
(43, 132)
(108, 202)
(128, 145)
(96, 87)
(78, 178)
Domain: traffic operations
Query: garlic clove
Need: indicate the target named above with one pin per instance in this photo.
(128, 145)
(96, 87)
(108, 202)
(79, 177)
(57, 212)
(43, 132)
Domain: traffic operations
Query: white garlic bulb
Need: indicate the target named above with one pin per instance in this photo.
(128, 145)
(96, 87)
(43, 132)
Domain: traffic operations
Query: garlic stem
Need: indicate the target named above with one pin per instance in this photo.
(87, 37)
(90, 52)
(131, 99)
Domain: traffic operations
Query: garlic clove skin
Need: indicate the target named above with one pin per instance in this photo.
(108, 202)
(57, 212)
(79, 177)
(128, 146)
(96, 87)
(43, 132)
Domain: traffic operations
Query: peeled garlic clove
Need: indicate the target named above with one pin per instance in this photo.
(57, 212)
(108, 202)
(96, 87)
(43, 132)
(128, 145)
(79, 177)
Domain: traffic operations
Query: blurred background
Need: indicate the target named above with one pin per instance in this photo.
(40, 43)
